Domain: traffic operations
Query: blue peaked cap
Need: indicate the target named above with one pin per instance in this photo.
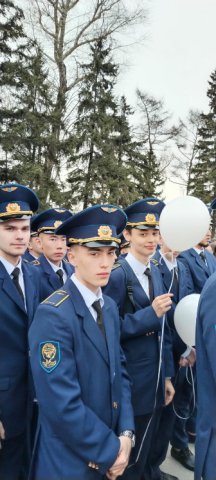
(17, 201)
(49, 220)
(145, 213)
(95, 226)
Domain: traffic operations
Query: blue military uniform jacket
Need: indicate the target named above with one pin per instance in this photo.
(185, 287)
(28, 256)
(14, 372)
(49, 280)
(198, 270)
(205, 464)
(83, 394)
(140, 339)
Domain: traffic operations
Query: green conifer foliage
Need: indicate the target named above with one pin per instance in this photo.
(203, 175)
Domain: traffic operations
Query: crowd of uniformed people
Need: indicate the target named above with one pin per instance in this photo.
(95, 382)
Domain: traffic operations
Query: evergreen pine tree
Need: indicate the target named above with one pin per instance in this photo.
(26, 113)
(203, 178)
(12, 45)
(93, 159)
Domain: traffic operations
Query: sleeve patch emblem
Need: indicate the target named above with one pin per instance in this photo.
(49, 355)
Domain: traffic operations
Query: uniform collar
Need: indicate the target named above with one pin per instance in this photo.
(170, 265)
(137, 266)
(9, 266)
(198, 250)
(55, 267)
(89, 297)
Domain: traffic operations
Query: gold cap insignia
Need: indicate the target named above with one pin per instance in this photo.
(9, 189)
(152, 203)
(13, 208)
(150, 218)
(57, 223)
(109, 209)
(59, 210)
(104, 232)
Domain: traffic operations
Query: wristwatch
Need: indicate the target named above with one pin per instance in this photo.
(129, 434)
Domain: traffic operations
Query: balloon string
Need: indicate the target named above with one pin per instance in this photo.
(194, 395)
(156, 390)
(190, 369)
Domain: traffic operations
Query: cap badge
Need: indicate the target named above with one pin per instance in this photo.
(109, 209)
(13, 208)
(152, 203)
(9, 189)
(57, 223)
(59, 210)
(104, 232)
(150, 218)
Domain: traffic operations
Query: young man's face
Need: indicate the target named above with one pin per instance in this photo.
(206, 240)
(53, 247)
(14, 238)
(92, 265)
(142, 242)
(35, 246)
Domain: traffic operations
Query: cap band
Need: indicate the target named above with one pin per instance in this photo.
(134, 224)
(20, 212)
(93, 239)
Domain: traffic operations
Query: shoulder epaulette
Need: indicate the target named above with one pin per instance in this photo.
(116, 265)
(154, 261)
(35, 262)
(56, 298)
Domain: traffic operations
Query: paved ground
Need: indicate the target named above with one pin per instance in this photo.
(171, 466)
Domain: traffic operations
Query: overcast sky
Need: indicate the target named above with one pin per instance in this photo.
(176, 59)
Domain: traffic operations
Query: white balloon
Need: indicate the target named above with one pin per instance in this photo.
(185, 318)
(184, 222)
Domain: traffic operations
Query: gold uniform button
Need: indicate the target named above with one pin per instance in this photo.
(115, 404)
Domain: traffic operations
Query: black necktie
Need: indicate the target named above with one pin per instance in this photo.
(97, 307)
(60, 273)
(151, 290)
(175, 283)
(203, 257)
(15, 279)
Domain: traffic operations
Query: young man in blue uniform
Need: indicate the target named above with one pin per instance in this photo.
(18, 301)
(34, 249)
(51, 265)
(201, 264)
(177, 280)
(205, 453)
(136, 286)
(85, 415)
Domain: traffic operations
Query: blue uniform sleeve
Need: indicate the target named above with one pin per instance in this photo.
(59, 394)
(134, 324)
(206, 324)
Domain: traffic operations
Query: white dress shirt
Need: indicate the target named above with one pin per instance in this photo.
(139, 269)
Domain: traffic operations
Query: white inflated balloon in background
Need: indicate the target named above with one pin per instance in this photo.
(184, 222)
(185, 318)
